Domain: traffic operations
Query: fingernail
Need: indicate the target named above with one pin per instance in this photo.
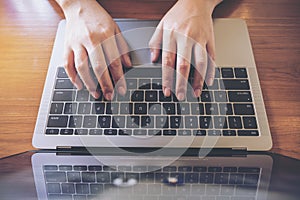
(180, 96)
(109, 96)
(167, 92)
(121, 90)
(210, 81)
(197, 93)
(96, 95)
(77, 86)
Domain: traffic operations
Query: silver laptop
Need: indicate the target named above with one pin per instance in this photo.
(230, 114)
(151, 178)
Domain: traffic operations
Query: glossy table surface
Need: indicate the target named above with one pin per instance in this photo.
(27, 31)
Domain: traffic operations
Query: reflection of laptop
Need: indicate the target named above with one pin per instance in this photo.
(151, 178)
(230, 114)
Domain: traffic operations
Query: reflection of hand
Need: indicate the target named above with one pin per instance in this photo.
(186, 28)
(91, 32)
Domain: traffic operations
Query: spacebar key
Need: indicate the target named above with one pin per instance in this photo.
(57, 121)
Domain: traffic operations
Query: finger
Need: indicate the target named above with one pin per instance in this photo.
(155, 43)
(211, 62)
(123, 48)
(200, 59)
(70, 68)
(184, 51)
(113, 58)
(81, 64)
(168, 62)
(99, 66)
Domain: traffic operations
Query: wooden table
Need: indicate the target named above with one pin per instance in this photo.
(27, 31)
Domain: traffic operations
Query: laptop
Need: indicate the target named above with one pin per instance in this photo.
(77, 176)
(230, 114)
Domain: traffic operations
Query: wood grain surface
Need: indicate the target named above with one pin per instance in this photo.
(27, 31)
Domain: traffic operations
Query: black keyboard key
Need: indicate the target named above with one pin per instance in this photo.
(112, 108)
(104, 121)
(75, 122)
(154, 132)
(249, 122)
(130, 175)
(214, 132)
(191, 178)
(236, 178)
(125, 97)
(214, 86)
(95, 168)
(147, 121)
(57, 121)
(240, 73)
(82, 188)
(230, 169)
(185, 169)
(151, 96)
(162, 122)
(248, 133)
(64, 96)
(133, 122)
(225, 109)
(176, 122)
(191, 122)
(207, 96)
(98, 108)
(154, 109)
(184, 132)
(89, 121)
(147, 177)
(126, 108)
(206, 177)
(84, 108)
(211, 109)
(61, 73)
(115, 175)
(239, 96)
(131, 84)
(157, 84)
(235, 122)
(183, 108)
(169, 108)
(66, 131)
(220, 122)
(249, 169)
(144, 83)
(95, 132)
(205, 122)
(70, 108)
(235, 84)
(68, 188)
(197, 108)
(243, 109)
(103, 177)
(199, 169)
(96, 189)
(163, 98)
(53, 188)
(56, 108)
(214, 169)
(118, 121)
(137, 95)
(199, 132)
(139, 132)
(55, 177)
(82, 95)
(229, 133)
(64, 84)
(88, 177)
(161, 176)
(220, 96)
(251, 179)
(227, 72)
(140, 108)
(169, 132)
(125, 132)
(52, 131)
(80, 168)
(221, 178)
(65, 168)
(81, 131)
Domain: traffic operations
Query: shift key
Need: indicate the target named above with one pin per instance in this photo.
(57, 121)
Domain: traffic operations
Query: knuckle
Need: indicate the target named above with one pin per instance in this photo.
(167, 60)
(184, 65)
(115, 64)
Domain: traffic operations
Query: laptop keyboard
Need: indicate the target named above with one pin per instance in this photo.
(224, 109)
(193, 182)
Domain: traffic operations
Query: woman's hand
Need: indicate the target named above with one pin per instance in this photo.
(92, 36)
(186, 31)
